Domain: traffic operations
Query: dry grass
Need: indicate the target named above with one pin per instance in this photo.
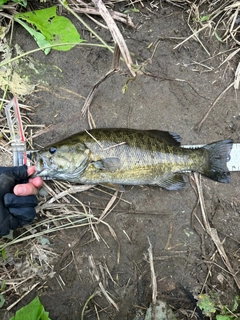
(219, 19)
(29, 256)
(56, 212)
(212, 233)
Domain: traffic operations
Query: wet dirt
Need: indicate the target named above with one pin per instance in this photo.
(173, 93)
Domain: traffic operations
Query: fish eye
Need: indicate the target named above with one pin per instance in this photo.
(52, 150)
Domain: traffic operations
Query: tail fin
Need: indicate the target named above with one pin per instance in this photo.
(218, 156)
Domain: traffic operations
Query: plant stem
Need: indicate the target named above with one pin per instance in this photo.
(50, 46)
(86, 303)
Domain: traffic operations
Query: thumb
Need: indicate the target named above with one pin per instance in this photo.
(25, 189)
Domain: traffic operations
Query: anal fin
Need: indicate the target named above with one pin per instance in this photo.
(173, 182)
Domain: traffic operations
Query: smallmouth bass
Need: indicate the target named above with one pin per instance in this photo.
(131, 157)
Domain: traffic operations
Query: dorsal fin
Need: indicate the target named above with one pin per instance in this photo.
(164, 136)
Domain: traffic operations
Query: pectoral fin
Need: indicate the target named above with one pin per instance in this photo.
(173, 182)
(109, 164)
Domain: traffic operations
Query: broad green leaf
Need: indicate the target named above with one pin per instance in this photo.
(3, 2)
(33, 311)
(38, 37)
(56, 29)
(221, 317)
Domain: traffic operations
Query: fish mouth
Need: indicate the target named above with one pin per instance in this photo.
(41, 164)
(48, 170)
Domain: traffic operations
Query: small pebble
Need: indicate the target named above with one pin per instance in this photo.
(42, 192)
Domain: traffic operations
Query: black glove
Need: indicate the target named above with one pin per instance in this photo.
(15, 211)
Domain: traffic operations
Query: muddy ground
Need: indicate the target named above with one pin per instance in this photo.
(173, 93)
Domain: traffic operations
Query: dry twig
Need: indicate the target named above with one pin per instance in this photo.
(153, 277)
(116, 34)
(212, 232)
(115, 67)
(198, 127)
(95, 274)
(86, 8)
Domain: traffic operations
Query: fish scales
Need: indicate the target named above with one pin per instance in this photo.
(127, 156)
(139, 157)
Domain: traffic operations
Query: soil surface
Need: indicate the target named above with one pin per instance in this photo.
(173, 93)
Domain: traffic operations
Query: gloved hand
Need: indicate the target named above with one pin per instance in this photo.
(15, 211)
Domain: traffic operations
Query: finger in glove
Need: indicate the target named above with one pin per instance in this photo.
(7, 183)
(22, 208)
(20, 174)
(13, 201)
(23, 216)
